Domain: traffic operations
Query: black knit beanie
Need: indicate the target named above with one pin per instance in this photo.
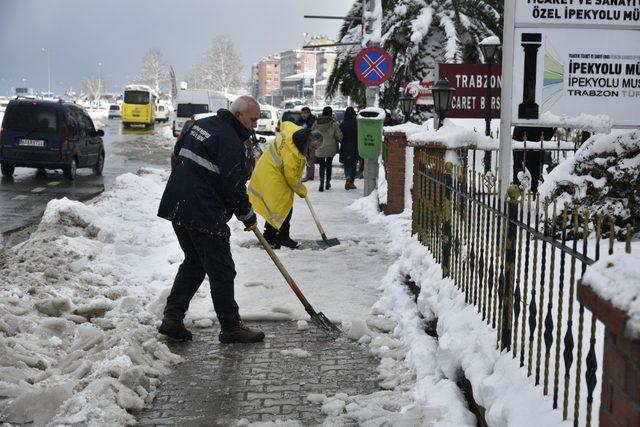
(301, 139)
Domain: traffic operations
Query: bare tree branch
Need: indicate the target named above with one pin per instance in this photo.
(155, 70)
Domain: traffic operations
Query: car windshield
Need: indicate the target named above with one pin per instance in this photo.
(114, 108)
(265, 114)
(31, 118)
(136, 97)
(188, 110)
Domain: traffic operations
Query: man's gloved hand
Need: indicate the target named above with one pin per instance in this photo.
(251, 223)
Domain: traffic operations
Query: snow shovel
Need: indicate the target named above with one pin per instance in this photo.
(324, 243)
(320, 320)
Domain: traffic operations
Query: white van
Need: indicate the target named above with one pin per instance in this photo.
(268, 120)
(162, 113)
(195, 101)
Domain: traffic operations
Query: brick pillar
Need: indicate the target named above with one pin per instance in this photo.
(418, 151)
(620, 382)
(395, 165)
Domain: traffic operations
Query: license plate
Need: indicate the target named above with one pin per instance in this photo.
(32, 143)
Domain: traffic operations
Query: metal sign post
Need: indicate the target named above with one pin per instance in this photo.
(506, 154)
(377, 70)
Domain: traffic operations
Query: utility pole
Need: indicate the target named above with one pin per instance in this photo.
(48, 70)
(372, 21)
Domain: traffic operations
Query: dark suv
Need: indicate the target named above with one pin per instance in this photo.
(49, 135)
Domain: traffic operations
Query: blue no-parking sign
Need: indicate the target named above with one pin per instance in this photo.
(373, 66)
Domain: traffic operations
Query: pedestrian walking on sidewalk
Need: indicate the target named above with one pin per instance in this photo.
(349, 147)
(306, 121)
(277, 177)
(331, 134)
(206, 187)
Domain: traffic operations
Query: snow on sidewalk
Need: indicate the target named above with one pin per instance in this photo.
(80, 300)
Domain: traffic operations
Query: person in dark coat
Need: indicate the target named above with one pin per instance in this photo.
(306, 121)
(349, 147)
(207, 186)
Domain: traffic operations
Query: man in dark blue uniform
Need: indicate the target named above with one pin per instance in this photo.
(213, 161)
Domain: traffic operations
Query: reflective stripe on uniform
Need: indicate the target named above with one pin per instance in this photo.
(276, 156)
(259, 196)
(245, 217)
(185, 152)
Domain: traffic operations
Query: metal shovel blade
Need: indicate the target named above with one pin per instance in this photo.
(327, 243)
(322, 322)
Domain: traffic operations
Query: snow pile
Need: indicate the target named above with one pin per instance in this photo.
(592, 123)
(407, 128)
(77, 338)
(465, 344)
(602, 177)
(616, 278)
(450, 135)
(453, 136)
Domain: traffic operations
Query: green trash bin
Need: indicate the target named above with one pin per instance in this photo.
(370, 121)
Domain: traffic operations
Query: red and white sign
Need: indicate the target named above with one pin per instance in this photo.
(421, 92)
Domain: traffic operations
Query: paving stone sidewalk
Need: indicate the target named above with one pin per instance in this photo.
(220, 384)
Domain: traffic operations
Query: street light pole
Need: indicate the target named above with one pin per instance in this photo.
(48, 70)
(489, 46)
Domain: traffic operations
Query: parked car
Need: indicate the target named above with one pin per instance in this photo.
(162, 113)
(49, 135)
(115, 111)
(291, 116)
(190, 102)
(268, 120)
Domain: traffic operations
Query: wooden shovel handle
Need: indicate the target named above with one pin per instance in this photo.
(283, 270)
(315, 217)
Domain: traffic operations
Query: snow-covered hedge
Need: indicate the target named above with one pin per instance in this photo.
(602, 178)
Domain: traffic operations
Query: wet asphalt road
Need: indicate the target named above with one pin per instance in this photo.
(23, 199)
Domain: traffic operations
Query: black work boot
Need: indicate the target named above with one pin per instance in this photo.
(175, 329)
(288, 242)
(270, 235)
(239, 333)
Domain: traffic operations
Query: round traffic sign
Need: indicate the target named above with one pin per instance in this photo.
(373, 66)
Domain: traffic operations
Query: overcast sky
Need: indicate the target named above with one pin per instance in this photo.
(80, 34)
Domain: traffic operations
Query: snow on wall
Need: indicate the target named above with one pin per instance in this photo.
(616, 278)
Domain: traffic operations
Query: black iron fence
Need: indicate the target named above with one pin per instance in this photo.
(518, 260)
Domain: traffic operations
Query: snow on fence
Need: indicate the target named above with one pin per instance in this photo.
(519, 262)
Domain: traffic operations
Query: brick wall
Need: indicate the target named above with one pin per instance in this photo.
(395, 166)
(620, 399)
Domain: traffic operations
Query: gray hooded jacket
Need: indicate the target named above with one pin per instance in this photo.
(330, 130)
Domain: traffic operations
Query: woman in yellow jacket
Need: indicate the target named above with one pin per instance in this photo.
(277, 176)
